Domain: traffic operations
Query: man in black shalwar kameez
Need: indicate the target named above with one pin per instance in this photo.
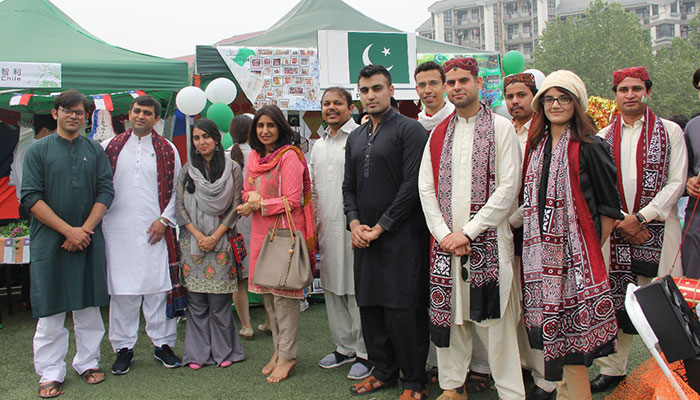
(382, 207)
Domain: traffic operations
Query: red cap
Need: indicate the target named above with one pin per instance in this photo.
(465, 63)
(631, 72)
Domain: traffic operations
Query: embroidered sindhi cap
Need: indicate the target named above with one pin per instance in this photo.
(524, 77)
(631, 72)
(465, 63)
(563, 79)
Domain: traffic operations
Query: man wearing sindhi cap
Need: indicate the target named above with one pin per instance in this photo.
(468, 182)
(651, 160)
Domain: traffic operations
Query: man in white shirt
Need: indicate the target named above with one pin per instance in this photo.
(430, 86)
(335, 242)
(519, 90)
(652, 165)
(468, 181)
(139, 236)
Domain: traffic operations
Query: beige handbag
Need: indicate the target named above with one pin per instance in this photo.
(283, 262)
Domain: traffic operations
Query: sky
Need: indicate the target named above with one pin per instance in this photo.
(172, 28)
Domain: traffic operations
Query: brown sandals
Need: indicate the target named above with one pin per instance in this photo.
(369, 385)
(56, 385)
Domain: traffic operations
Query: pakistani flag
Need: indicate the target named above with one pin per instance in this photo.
(387, 49)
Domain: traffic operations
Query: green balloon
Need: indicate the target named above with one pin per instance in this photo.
(226, 140)
(513, 62)
(221, 114)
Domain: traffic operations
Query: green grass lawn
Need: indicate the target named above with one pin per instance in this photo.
(149, 380)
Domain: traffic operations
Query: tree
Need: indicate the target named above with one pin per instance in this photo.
(673, 92)
(605, 39)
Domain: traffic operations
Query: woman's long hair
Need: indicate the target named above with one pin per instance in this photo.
(239, 130)
(582, 128)
(217, 163)
(285, 131)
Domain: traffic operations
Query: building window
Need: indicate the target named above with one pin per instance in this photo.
(475, 15)
(448, 36)
(664, 31)
(527, 29)
(527, 49)
(684, 31)
(654, 9)
(447, 15)
(462, 16)
(674, 8)
(513, 47)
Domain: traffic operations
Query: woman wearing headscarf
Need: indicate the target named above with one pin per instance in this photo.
(569, 208)
(208, 191)
(277, 170)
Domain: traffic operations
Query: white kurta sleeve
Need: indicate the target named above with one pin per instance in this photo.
(169, 212)
(663, 203)
(426, 188)
(312, 174)
(500, 204)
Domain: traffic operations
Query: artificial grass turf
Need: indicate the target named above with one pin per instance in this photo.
(148, 380)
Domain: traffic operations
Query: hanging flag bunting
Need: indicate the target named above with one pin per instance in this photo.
(136, 93)
(103, 102)
(20, 99)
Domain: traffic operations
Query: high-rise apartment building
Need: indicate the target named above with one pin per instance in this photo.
(504, 25)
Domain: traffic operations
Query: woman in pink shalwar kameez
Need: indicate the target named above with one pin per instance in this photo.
(276, 169)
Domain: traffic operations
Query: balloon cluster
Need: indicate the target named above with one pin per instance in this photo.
(220, 92)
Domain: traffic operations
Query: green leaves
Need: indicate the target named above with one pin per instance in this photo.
(608, 38)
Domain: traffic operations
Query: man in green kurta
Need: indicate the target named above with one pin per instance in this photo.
(67, 186)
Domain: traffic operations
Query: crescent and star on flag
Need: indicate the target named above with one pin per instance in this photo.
(365, 55)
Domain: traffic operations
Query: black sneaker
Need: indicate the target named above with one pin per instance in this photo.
(125, 357)
(165, 355)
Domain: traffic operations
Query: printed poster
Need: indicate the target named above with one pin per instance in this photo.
(287, 77)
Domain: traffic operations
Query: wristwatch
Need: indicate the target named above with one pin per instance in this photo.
(465, 234)
(640, 218)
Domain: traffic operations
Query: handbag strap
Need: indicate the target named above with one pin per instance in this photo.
(288, 211)
(290, 220)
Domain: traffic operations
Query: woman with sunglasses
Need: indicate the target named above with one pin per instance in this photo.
(569, 207)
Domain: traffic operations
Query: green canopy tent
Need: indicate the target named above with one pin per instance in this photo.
(37, 31)
(298, 28)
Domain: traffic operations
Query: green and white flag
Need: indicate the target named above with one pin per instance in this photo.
(342, 54)
(387, 49)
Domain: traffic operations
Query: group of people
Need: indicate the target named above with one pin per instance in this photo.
(479, 245)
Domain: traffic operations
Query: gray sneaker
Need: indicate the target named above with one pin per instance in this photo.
(334, 360)
(359, 370)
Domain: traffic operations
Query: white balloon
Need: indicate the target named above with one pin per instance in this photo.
(539, 76)
(190, 100)
(221, 90)
(502, 110)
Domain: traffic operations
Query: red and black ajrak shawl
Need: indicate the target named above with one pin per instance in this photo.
(483, 262)
(165, 164)
(653, 159)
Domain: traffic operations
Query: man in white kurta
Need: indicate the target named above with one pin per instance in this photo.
(519, 91)
(632, 91)
(335, 241)
(138, 274)
(497, 334)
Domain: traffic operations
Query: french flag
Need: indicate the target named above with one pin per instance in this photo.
(137, 93)
(20, 99)
(103, 102)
